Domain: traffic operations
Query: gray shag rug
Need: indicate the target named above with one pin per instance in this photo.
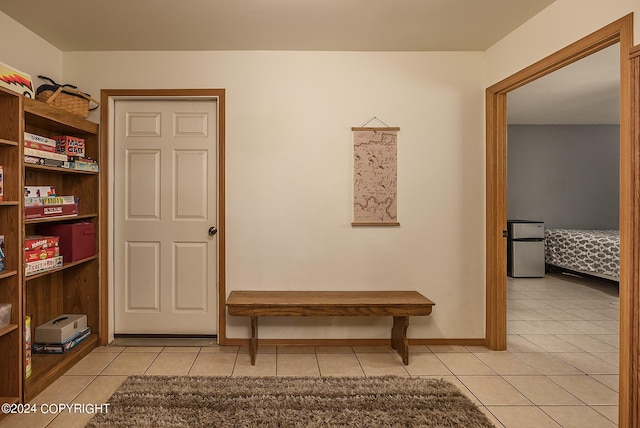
(199, 401)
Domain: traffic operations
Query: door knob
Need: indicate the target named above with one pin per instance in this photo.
(212, 230)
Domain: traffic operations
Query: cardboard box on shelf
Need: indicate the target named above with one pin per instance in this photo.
(49, 200)
(32, 268)
(39, 191)
(39, 146)
(77, 240)
(16, 80)
(40, 139)
(28, 151)
(45, 211)
(70, 146)
(38, 242)
(37, 160)
(41, 254)
(84, 166)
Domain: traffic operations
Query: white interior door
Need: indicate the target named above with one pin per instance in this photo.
(165, 204)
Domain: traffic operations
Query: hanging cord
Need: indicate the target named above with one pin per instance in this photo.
(374, 118)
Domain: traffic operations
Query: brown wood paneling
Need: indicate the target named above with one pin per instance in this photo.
(496, 222)
(45, 298)
(84, 185)
(222, 231)
(10, 123)
(11, 379)
(11, 128)
(80, 296)
(631, 329)
(10, 215)
(103, 226)
(42, 116)
(10, 161)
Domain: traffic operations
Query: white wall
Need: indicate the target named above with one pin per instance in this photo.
(27, 52)
(289, 174)
(289, 167)
(560, 24)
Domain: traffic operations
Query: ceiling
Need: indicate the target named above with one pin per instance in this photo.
(585, 92)
(329, 25)
(322, 25)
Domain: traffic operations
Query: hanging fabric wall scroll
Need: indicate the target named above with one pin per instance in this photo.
(375, 176)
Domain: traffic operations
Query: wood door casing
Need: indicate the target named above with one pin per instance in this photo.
(632, 332)
(620, 31)
(107, 99)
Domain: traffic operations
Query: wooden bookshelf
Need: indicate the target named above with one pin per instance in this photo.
(11, 336)
(73, 288)
(52, 366)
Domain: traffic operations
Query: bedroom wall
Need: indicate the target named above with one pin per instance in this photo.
(564, 175)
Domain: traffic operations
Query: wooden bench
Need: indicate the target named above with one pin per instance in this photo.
(398, 304)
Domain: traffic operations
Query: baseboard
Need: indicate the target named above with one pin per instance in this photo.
(166, 336)
(353, 342)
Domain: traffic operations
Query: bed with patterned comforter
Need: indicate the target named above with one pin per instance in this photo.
(594, 252)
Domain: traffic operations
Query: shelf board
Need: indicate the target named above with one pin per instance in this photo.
(8, 273)
(10, 400)
(45, 368)
(60, 169)
(9, 203)
(9, 142)
(61, 218)
(44, 114)
(8, 329)
(64, 266)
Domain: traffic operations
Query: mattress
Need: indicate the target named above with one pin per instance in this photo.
(595, 252)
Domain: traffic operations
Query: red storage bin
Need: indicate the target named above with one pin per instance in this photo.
(77, 240)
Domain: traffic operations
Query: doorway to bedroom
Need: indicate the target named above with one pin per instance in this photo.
(563, 168)
(563, 162)
(563, 155)
(496, 215)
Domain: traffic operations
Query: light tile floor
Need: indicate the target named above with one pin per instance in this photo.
(560, 368)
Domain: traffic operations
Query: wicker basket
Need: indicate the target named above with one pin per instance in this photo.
(66, 97)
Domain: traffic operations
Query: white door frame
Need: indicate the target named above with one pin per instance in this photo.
(108, 99)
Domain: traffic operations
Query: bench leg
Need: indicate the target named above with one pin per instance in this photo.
(399, 340)
(253, 348)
